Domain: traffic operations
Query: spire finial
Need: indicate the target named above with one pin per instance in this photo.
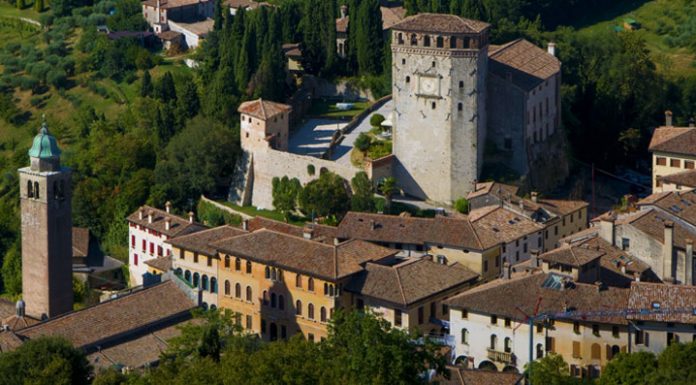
(44, 126)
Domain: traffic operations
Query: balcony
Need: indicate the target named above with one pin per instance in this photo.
(502, 357)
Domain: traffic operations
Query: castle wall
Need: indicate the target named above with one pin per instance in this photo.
(506, 122)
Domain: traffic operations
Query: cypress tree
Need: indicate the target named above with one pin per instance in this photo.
(312, 45)
(146, 85)
(472, 9)
(166, 90)
(218, 18)
(369, 38)
(329, 15)
(20, 4)
(188, 103)
(351, 51)
(38, 5)
(245, 58)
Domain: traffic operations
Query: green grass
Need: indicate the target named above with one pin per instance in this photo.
(658, 18)
(270, 214)
(322, 108)
(8, 10)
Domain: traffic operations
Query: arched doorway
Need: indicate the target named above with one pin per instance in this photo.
(274, 331)
(487, 365)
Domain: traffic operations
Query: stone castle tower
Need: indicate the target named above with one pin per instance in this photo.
(439, 69)
(46, 230)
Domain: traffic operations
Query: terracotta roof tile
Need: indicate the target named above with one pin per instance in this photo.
(681, 204)
(179, 225)
(562, 206)
(7, 308)
(163, 263)
(498, 189)
(9, 341)
(201, 241)
(462, 376)
(410, 281)
(298, 254)
(526, 64)
(652, 223)
(675, 140)
(440, 23)
(115, 318)
(499, 224)
(263, 109)
(320, 233)
(684, 178)
(519, 295)
(576, 256)
(679, 298)
(169, 4)
(80, 241)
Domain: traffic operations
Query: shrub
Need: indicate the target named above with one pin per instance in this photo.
(363, 142)
(376, 120)
(310, 169)
(461, 205)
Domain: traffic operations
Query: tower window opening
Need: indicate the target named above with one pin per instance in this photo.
(460, 107)
(36, 190)
(426, 41)
(461, 84)
(414, 39)
(440, 42)
(408, 79)
(30, 189)
(432, 105)
(453, 42)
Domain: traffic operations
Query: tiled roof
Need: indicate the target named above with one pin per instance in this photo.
(678, 298)
(681, 204)
(652, 223)
(250, 4)
(9, 341)
(390, 17)
(461, 376)
(684, 178)
(410, 230)
(410, 281)
(675, 140)
(169, 35)
(320, 233)
(136, 353)
(7, 308)
(163, 263)
(501, 190)
(526, 64)
(575, 256)
(179, 225)
(80, 241)
(298, 254)
(562, 206)
(263, 109)
(518, 296)
(199, 28)
(440, 23)
(17, 323)
(342, 24)
(168, 4)
(113, 319)
(200, 241)
(498, 224)
(292, 50)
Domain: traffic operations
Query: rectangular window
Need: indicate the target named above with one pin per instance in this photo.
(576, 349)
(640, 337)
(465, 314)
(445, 310)
(135, 259)
(397, 317)
(576, 327)
(310, 337)
(660, 161)
(615, 331)
(133, 241)
(152, 248)
(508, 322)
(420, 315)
(210, 261)
(689, 164)
(595, 329)
(195, 257)
(248, 322)
(494, 320)
(181, 253)
(625, 244)
(485, 266)
(144, 245)
(159, 250)
(675, 163)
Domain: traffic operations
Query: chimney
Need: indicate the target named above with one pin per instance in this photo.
(167, 223)
(307, 232)
(668, 118)
(141, 213)
(689, 268)
(190, 216)
(20, 308)
(168, 206)
(245, 225)
(667, 252)
(150, 215)
(535, 196)
(507, 270)
(344, 11)
(534, 258)
(606, 228)
(551, 48)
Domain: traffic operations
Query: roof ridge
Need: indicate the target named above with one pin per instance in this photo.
(473, 230)
(401, 286)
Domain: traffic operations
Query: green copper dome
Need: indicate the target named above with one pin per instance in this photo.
(45, 145)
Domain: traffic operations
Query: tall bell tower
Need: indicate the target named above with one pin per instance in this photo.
(439, 69)
(46, 230)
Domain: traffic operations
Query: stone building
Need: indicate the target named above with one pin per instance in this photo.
(455, 95)
(187, 20)
(391, 14)
(45, 197)
(674, 157)
(264, 124)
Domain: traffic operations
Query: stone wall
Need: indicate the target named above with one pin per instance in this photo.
(268, 164)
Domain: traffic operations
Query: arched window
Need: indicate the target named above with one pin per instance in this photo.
(187, 276)
(196, 279)
(248, 293)
(465, 337)
(508, 345)
(265, 297)
(494, 341)
(439, 42)
(298, 280)
(237, 290)
(414, 39)
(36, 190)
(280, 275)
(310, 311)
(267, 272)
(331, 290)
(281, 302)
(400, 38)
(227, 287)
(227, 261)
(539, 351)
(322, 314)
(326, 288)
(237, 264)
(213, 307)
(426, 41)
(298, 307)
(274, 274)
(248, 267)
(204, 282)
(453, 42)
(178, 272)
(213, 285)
(30, 189)
(273, 300)
(310, 284)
